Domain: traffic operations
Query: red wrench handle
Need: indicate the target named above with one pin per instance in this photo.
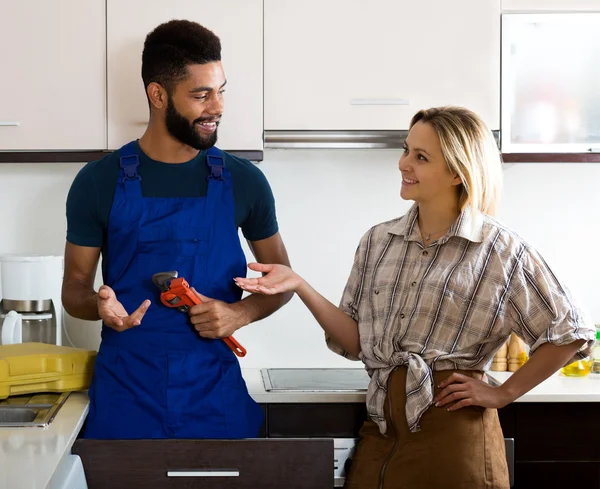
(180, 288)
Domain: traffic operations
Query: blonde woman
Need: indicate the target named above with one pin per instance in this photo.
(431, 297)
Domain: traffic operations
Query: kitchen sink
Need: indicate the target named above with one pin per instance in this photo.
(17, 415)
(37, 410)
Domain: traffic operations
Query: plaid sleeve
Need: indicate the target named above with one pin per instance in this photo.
(351, 295)
(544, 310)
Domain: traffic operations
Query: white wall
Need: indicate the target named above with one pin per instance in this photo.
(326, 200)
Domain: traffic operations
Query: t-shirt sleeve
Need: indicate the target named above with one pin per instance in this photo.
(84, 228)
(261, 219)
(544, 310)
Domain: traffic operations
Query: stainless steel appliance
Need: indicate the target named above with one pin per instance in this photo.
(315, 379)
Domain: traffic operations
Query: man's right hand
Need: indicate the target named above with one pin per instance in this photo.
(114, 315)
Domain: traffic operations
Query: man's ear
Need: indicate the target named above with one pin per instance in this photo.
(157, 95)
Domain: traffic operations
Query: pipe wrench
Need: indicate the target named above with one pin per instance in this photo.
(176, 293)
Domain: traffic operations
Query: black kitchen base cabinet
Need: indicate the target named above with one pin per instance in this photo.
(557, 475)
(207, 464)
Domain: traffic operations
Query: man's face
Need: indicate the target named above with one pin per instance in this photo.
(195, 107)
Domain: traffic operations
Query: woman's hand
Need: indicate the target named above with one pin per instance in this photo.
(277, 279)
(467, 391)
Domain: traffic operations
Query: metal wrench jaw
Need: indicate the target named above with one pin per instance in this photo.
(162, 279)
(174, 301)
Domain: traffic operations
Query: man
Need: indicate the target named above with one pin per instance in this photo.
(170, 201)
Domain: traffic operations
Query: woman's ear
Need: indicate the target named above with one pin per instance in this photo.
(456, 180)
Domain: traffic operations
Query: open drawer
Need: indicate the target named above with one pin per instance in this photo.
(209, 464)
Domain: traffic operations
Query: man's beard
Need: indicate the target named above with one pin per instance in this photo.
(185, 131)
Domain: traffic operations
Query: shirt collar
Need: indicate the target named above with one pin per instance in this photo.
(468, 225)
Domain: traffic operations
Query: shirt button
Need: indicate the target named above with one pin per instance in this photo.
(413, 284)
(376, 292)
(402, 316)
(425, 253)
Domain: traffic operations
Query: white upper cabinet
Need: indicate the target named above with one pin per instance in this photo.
(550, 80)
(238, 23)
(53, 75)
(358, 65)
(536, 5)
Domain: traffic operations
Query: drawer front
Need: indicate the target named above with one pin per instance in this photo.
(207, 464)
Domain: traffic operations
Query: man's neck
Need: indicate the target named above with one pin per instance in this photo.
(159, 145)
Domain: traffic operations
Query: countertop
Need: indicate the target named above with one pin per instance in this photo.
(559, 388)
(30, 456)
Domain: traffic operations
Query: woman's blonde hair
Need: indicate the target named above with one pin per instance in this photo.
(471, 152)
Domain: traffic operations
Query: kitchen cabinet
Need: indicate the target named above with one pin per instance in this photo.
(355, 65)
(209, 464)
(238, 23)
(550, 77)
(537, 5)
(52, 88)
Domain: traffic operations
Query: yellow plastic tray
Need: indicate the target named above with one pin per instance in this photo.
(38, 367)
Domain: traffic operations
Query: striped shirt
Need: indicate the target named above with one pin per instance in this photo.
(450, 305)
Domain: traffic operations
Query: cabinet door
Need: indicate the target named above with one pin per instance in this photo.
(566, 5)
(52, 88)
(238, 23)
(352, 64)
(207, 464)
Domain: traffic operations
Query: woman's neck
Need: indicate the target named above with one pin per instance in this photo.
(437, 218)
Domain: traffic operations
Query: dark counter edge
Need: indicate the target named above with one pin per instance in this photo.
(85, 156)
(257, 156)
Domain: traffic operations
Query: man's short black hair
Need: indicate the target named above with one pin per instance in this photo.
(174, 45)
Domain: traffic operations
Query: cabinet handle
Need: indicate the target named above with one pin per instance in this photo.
(9, 123)
(379, 101)
(204, 473)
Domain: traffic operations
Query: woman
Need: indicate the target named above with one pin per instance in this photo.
(431, 298)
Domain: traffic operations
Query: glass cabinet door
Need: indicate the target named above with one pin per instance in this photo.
(551, 83)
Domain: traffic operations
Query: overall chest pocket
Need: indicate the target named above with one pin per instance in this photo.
(165, 238)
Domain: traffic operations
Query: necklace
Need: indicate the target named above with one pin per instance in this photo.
(428, 235)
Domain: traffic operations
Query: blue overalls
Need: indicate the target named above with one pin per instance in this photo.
(161, 379)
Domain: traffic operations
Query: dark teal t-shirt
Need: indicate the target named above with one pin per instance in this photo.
(91, 195)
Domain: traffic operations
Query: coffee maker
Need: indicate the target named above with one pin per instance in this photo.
(30, 305)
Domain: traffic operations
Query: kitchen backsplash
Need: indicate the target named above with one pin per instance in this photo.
(326, 200)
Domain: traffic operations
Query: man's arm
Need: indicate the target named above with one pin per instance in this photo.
(79, 298)
(217, 319)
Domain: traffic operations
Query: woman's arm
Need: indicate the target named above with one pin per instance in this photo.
(342, 329)
(467, 391)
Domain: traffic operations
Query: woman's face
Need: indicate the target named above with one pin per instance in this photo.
(425, 174)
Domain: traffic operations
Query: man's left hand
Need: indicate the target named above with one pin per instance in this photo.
(216, 319)
(467, 391)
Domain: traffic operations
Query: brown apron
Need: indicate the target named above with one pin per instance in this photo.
(461, 449)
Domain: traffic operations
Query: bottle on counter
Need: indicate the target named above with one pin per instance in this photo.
(596, 354)
(579, 368)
